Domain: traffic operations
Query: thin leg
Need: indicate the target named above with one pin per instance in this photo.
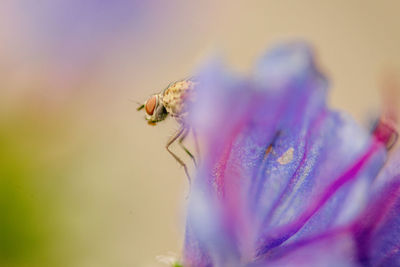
(181, 139)
(170, 142)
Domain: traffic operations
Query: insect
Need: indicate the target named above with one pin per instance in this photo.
(174, 101)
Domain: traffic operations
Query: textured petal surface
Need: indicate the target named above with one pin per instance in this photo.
(279, 167)
(378, 230)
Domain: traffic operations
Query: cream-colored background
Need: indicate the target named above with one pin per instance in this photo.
(107, 192)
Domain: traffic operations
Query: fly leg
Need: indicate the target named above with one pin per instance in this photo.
(170, 142)
(181, 139)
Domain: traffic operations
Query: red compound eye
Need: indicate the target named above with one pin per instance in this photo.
(151, 105)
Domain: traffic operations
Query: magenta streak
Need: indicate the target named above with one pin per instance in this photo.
(222, 163)
(374, 217)
(287, 231)
(383, 206)
(285, 250)
(220, 176)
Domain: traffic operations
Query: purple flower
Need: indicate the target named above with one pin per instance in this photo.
(284, 180)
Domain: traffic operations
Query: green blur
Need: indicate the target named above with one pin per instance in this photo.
(27, 208)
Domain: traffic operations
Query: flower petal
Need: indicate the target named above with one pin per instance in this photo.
(278, 166)
(378, 230)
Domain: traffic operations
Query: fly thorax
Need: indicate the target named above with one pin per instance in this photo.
(177, 97)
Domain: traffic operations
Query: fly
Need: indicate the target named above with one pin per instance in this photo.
(174, 101)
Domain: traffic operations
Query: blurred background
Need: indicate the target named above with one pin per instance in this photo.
(84, 181)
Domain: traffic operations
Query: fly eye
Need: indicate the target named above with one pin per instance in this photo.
(151, 105)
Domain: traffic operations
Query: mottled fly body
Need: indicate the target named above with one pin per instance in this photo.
(174, 101)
